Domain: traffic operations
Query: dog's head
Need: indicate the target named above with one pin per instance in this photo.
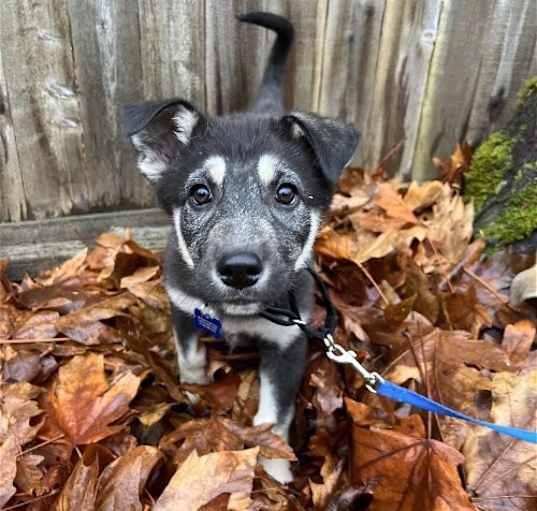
(246, 193)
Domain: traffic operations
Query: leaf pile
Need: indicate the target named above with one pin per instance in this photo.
(92, 416)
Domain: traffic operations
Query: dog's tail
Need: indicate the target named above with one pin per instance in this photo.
(270, 95)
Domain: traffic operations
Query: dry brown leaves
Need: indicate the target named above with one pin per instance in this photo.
(92, 416)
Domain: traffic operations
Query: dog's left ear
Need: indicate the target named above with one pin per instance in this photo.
(333, 142)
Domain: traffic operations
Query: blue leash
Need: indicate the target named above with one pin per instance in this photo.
(374, 382)
(397, 393)
(377, 384)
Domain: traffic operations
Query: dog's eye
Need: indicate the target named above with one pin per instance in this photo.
(200, 195)
(285, 194)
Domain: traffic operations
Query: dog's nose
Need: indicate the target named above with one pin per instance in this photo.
(240, 270)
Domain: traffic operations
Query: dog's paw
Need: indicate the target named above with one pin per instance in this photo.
(195, 375)
(278, 469)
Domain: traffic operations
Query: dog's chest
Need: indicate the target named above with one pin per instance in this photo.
(238, 332)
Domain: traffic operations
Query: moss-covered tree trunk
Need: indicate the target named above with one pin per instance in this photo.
(502, 179)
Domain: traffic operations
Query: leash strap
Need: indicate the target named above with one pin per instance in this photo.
(291, 316)
(374, 382)
(397, 393)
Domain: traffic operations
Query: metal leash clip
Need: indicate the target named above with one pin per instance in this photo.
(338, 354)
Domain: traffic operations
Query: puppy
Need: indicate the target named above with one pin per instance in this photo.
(246, 193)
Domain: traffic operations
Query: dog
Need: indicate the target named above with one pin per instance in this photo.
(246, 193)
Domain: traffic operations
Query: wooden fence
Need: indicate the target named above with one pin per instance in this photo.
(427, 73)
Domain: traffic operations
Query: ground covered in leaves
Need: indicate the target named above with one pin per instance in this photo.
(92, 416)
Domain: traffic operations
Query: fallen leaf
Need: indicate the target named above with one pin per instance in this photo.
(219, 395)
(84, 325)
(326, 381)
(37, 325)
(389, 200)
(518, 339)
(201, 479)
(121, 484)
(140, 276)
(17, 411)
(80, 490)
(8, 469)
(270, 444)
(85, 404)
(220, 434)
(411, 473)
(422, 196)
(501, 471)
(330, 472)
(451, 170)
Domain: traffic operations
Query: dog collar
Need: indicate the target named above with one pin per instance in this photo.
(204, 320)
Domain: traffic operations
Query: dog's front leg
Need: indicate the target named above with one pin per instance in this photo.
(192, 358)
(281, 374)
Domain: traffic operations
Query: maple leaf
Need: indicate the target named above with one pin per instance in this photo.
(445, 364)
(199, 480)
(412, 473)
(85, 404)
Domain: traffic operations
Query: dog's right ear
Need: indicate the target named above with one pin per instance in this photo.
(158, 131)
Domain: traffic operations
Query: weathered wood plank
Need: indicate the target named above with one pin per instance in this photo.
(483, 52)
(106, 43)
(36, 245)
(40, 82)
(12, 202)
(408, 33)
(507, 56)
(350, 58)
(173, 49)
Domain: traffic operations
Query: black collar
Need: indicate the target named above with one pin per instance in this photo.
(291, 316)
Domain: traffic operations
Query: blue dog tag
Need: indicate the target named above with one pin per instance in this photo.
(208, 323)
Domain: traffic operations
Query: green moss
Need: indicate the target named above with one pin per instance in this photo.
(490, 163)
(529, 88)
(517, 221)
